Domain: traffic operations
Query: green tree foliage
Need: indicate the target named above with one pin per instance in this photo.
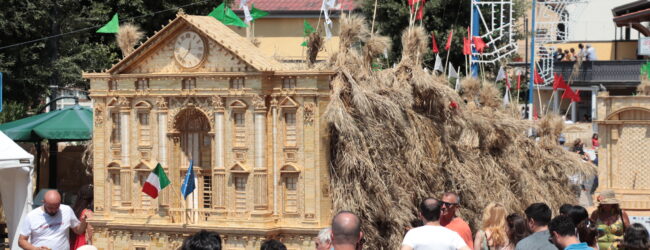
(30, 68)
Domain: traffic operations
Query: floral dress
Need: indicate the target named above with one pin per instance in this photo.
(609, 234)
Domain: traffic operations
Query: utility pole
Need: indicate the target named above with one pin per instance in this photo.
(531, 75)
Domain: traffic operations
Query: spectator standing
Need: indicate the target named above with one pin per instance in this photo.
(448, 218)
(573, 56)
(581, 53)
(610, 219)
(493, 233)
(324, 239)
(591, 53)
(577, 214)
(558, 55)
(346, 231)
(567, 56)
(594, 141)
(432, 236)
(517, 229)
(537, 216)
(636, 238)
(273, 245)
(203, 240)
(564, 209)
(588, 233)
(564, 234)
(47, 227)
(83, 207)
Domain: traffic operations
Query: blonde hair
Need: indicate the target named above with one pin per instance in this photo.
(494, 221)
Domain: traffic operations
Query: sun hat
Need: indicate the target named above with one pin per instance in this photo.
(608, 197)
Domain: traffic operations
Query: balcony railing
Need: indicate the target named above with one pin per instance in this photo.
(619, 73)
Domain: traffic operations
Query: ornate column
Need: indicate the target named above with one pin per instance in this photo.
(125, 173)
(259, 169)
(274, 106)
(162, 143)
(219, 182)
(124, 130)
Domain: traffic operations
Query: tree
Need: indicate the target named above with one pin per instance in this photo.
(73, 46)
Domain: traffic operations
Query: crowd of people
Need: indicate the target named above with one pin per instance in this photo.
(587, 53)
(438, 227)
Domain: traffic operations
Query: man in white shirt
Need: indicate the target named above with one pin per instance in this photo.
(432, 236)
(591, 53)
(46, 228)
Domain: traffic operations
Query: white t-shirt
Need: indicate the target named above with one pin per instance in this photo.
(49, 231)
(433, 238)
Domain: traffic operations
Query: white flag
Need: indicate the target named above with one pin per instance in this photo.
(247, 12)
(457, 87)
(438, 64)
(501, 75)
(327, 4)
(452, 72)
(506, 97)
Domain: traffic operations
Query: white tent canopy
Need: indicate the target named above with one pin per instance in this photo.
(16, 170)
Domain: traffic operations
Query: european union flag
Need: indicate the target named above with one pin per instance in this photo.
(188, 184)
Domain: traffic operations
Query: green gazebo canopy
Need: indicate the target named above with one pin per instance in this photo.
(69, 124)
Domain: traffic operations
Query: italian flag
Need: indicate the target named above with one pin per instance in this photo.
(156, 181)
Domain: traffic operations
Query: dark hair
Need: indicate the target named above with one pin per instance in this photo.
(595, 136)
(203, 240)
(84, 199)
(563, 225)
(635, 238)
(517, 228)
(347, 234)
(580, 46)
(430, 209)
(588, 232)
(572, 50)
(578, 214)
(540, 213)
(273, 245)
(564, 209)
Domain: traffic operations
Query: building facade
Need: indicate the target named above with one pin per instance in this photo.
(198, 92)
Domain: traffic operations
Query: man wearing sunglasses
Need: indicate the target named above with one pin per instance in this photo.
(564, 234)
(450, 203)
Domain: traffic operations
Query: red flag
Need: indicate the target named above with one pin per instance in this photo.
(449, 38)
(420, 6)
(518, 81)
(535, 116)
(479, 44)
(434, 44)
(538, 78)
(559, 82)
(467, 46)
(576, 97)
(569, 94)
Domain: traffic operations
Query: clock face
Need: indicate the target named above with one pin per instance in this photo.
(189, 49)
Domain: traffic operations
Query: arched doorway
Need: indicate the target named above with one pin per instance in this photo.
(195, 141)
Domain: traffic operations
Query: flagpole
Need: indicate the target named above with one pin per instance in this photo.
(553, 96)
(447, 61)
(531, 82)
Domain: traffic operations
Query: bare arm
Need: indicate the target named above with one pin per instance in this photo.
(23, 242)
(405, 247)
(478, 241)
(81, 228)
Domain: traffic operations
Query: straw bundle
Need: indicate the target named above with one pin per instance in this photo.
(644, 87)
(127, 36)
(314, 45)
(400, 135)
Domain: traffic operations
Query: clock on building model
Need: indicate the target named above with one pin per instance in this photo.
(189, 49)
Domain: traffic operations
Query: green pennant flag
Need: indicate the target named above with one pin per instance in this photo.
(308, 29)
(645, 69)
(304, 44)
(226, 16)
(257, 13)
(112, 26)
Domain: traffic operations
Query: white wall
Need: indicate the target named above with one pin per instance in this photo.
(593, 20)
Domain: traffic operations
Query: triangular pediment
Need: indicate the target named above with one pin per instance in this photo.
(238, 104)
(195, 44)
(239, 168)
(288, 102)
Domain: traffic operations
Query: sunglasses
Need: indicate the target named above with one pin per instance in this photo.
(448, 204)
